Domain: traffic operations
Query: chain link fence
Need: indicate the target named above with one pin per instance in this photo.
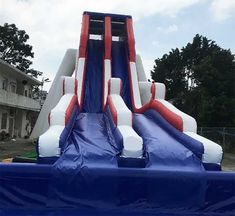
(225, 136)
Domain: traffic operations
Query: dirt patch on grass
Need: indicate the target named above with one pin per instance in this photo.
(228, 162)
(19, 147)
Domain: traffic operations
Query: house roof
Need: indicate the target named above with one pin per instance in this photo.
(14, 72)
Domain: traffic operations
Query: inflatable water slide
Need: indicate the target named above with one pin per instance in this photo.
(111, 144)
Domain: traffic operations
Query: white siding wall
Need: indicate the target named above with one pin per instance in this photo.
(24, 122)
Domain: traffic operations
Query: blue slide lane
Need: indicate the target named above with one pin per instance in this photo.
(92, 102)
(120, 69)
(164, 151)
(91, 142)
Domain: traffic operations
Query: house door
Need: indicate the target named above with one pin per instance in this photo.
(11, 126)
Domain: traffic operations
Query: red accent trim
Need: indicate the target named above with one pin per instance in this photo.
(63, 86)
(170, 116)
(143, 108)
(83, 84)
(84, 36)
(120, 88)
(49, 118)
(107, 38)
(153, 91)
(69, 109)
(109, 86)
(76, 86)
(131, 40)
(112, 110)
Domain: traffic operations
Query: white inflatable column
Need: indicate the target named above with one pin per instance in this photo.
(60, 115)
(81, 64)
(122, 116)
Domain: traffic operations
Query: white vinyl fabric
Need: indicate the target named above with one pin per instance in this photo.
(132, 142)
(80, 77)
(48, 143)
(160, 90)
(66, 68)
(107, 76)
(135, 85)
(58, 114)
(124, 115)
(189, 123)
(140, 69)
(213, 152)
(115, 86)
(68, 85)
(145, 92)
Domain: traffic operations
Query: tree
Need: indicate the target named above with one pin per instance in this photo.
(200, 78)
(14, 48)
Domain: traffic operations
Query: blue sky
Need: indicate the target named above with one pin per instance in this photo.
(159, 25)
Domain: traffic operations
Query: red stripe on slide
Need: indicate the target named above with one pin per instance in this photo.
(112, 110)
(131, 40)
(84, 36)
(83, 86)
(107, 37)
(76, 86)
(153, 91)
(143, 108)
(120, 87)
(109, 87)
(69, 109)
(170, 116)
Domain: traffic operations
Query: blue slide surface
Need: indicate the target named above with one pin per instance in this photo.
(120, 69)
(165, 150)
(92, 102)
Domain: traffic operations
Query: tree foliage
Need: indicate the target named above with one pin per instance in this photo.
(14, 48)
(200, 80)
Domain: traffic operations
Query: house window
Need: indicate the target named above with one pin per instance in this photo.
(4, 121)
(13, 87)
(30, 93)
(26, 93)
(4, 84)
(12, 112)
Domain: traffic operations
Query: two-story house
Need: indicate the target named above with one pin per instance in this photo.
(18, 109)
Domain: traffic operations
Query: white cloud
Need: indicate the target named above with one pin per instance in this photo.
(223, 9)
(155, 43)
(54, 25)
(168, 29)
